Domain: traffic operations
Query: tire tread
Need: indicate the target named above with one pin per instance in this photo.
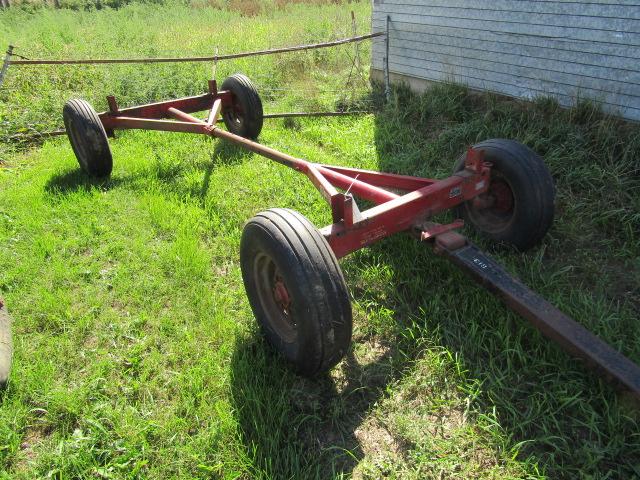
(95, 160)
(241, 86)
(320, 268)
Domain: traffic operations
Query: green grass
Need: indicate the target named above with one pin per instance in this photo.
(32, 97)
(137, 355)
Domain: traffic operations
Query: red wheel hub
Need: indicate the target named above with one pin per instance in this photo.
(499, 198)
(502, 195)
(281, 295)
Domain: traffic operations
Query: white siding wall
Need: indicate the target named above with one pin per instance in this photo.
(524, 48)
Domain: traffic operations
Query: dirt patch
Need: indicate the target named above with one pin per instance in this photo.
(376, 441)
(27, 454)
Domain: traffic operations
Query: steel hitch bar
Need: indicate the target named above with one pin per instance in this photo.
(551, 322)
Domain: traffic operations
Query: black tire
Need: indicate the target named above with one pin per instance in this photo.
(244, 116)
(310, 323)
(519, 205)
(88, 138)
(6, 346)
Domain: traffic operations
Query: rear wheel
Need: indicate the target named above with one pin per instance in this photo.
(296, 290)
(88, 138)
(518, 207)
(244, 116)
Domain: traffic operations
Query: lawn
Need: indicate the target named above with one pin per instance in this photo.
(136, 351)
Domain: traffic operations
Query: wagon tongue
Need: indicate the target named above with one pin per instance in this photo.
(554, 324)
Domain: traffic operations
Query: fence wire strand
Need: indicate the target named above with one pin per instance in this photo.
(307, 81)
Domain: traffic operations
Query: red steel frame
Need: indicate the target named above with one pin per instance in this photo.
(351, 229)
(401, 203)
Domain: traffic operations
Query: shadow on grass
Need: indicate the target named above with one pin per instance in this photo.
(295, 427)
(227, 153)
(224, 153)
(78, 181)
(168, 172)
(571, 423)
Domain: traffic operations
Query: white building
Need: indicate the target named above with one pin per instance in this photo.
(566, 49)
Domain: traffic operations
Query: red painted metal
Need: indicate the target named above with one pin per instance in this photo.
(159, 110)
(430, 230)
(403, 212)
(328, 191)
(384, 180)
(358, 187)
(281, 295)
(214, 112)
(124, 123)
(353, 229)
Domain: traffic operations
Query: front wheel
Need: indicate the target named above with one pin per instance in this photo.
(88, 138)
(518, 207)
(296, 290)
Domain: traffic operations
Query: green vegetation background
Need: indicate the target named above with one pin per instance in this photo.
(137, 355)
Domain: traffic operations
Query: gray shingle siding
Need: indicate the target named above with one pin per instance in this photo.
(566, 49)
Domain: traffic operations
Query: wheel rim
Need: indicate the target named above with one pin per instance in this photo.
(234, 116)
(494, 210)
(274, 297)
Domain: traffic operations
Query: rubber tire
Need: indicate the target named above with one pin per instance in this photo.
(320, 301)
(245, 95)
(6, 345)
(532, 189)
(88, 138)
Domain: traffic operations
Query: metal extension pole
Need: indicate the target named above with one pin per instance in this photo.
(550, 321)
(5, 64)
(387, 87)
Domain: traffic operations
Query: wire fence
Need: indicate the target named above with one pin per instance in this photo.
(321, 79)
(215, 58)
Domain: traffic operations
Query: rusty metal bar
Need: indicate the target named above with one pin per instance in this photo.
(152, 124)
(199, 59)
(184, 117)
(551, 322)
(283, 158)
(315, 114)
(362, 189)
(113, 105)
(160, 108)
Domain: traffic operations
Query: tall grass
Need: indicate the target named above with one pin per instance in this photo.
(248, 8)
(31, 98)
